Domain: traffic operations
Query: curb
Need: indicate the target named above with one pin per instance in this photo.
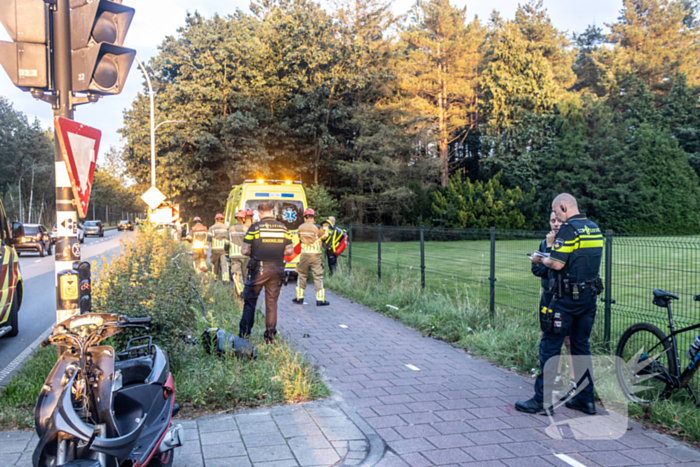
(377, 447)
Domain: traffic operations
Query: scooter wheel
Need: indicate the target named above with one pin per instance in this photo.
(164, 460)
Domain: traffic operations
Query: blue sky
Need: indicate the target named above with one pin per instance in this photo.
(155, 19)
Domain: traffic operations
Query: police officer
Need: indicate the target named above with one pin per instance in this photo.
(267, 242)
(239, 262)
(311, 237)
(333, 238)
(218, 233)
(198, 238)
(576, 254)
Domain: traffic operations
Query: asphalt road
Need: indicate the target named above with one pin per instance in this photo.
(38, 312)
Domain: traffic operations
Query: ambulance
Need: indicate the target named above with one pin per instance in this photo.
(288, 201)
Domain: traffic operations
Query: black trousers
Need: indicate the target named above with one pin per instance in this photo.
(271, 278)
(332, 261)
(578, 318)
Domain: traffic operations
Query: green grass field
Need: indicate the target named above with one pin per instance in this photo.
(639, 265)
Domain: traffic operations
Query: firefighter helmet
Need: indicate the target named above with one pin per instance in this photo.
(249, 212)
(196, 219)
(309, 212)
(240, 214)
(218, 216)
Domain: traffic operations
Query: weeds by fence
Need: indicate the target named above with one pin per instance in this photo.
(494, 267)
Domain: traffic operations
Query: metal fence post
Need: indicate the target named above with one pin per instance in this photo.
(422, 258)
(492, 277)
(608, 288)
(350, 248)
(379, 253)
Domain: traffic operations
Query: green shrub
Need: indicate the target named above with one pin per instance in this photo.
(145, 280)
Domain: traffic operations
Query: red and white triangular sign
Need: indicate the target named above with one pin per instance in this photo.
(79, 146)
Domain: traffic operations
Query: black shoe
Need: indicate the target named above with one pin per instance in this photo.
(532, 406)
(322, 303)
(567, 393)
(298, 301)
(270, 337)
(586, 407)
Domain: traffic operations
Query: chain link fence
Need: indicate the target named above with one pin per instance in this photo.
(493, 266)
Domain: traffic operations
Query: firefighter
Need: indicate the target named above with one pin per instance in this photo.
(249, 214)
(218, 234)
(311, 237)
(335, 237)
(239, 262)
(198, 238)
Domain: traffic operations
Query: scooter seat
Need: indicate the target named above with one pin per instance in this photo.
(135, 370)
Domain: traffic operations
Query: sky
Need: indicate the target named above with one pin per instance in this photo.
(156, 19)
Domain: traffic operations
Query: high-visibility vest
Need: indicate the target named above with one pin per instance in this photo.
(236, 233)
(219, 236)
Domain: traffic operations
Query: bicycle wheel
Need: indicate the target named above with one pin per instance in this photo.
(645, 363)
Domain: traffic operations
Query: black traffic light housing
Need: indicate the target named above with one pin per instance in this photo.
(98, 29)
(26, 60)
(85, 287)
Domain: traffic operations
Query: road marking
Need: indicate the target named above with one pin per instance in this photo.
(38, 261)
(412, 367)
(343, 326)
(23, 356)
(569, 460)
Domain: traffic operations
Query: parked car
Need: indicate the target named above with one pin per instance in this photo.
(31, 238)
(81, 233)
(125, 225)
(94, 228)
(12, 288)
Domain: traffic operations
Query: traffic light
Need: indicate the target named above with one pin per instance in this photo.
(98, 29)
(85, 287)
(26, 60)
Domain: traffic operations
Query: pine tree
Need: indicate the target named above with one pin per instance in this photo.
(654, 39)
(440, 72)
(586, 69)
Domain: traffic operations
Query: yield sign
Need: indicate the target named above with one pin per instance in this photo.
(153, 197)
(79, 146)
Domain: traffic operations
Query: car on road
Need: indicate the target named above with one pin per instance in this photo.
(81, 234)
(125, 225)
(11, 285)
(94, 228)
(31, 238)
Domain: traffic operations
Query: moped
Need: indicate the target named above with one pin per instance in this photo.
(98, 411)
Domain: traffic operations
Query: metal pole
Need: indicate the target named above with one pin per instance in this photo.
(350, 248)
(608, 288)
(492, 276)
(153, 128)
(67, 246)
(422, 259)
(379, 253)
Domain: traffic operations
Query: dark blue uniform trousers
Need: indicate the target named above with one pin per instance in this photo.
(578, 318)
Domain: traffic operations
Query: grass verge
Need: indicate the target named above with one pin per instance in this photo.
(509, 339)
(143, 280)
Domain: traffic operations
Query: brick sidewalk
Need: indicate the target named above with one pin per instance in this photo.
(436, 405)
(314, 434)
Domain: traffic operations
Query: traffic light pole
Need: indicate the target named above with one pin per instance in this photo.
(67, 248)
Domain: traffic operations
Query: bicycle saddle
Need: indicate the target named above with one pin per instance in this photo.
(665, 295)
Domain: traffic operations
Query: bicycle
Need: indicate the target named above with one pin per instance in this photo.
(648, 367)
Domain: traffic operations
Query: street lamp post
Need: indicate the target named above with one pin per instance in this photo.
(153, 128)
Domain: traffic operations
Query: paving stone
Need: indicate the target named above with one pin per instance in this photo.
(448, 428)
(525, 449)
(230, 462)
(416, 460)
(269, 453)
(348, 432)
(407, 446)
(416, 431)
(647, 456)
(293, 419)
(309, 429)
(388, 434)
(10, 458)
(212, 425)
(682, 453)
(526, 462)
(447, 456)
(223, 450)
(393, 409)
(525, 434)
(187, 460)
(417, 418)
(487, 424)
(608, 458)
(263, 439)
(279, 463)
(314, 457)
(486, 453)
(450, 441)
(386, 422)
(220, 437)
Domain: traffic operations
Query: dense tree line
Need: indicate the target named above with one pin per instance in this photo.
(433, 118)
(27, 187)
